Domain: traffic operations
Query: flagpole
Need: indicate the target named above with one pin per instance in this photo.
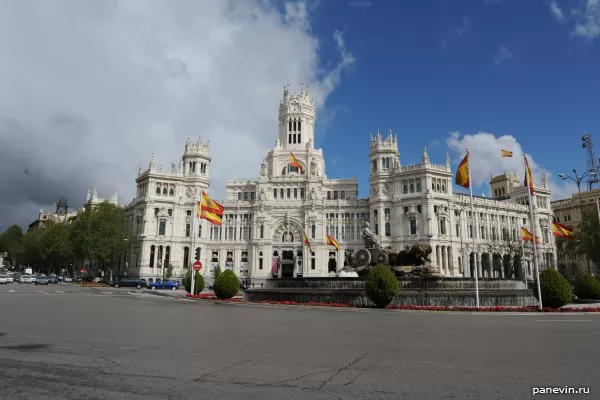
(194, 243)
(523, 260)
(533, 239)
(474, 230)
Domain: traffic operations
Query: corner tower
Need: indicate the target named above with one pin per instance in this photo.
(196, 161)
(297, 119)
(383, 154)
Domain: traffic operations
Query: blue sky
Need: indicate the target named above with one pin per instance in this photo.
(428, 68)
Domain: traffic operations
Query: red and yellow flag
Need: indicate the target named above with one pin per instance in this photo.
(210, 210)
(528, 177)
(528, 236)
(332, 242)
(506, 153)
(561, 230)
(462, 173)
(295, 163)
(307, 242)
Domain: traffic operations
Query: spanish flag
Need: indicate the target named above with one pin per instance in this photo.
(462, 173)
(210, 210)
(528, 177)
(528, 236)
(332, 242)
(294, 162)
(506, 153)
(561, 230)
(307, 242)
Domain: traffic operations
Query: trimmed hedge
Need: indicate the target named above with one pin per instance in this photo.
(587, 287)
(198, 282)
(556, 289)
(381, 286)
(226, 285)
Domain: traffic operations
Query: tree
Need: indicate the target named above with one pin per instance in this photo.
(586, 236)
(56, 245)
(226, 285)
(381, 286)
(169, 271)
(217, 272)
(99, 233)
(32, 248)
(10, 242)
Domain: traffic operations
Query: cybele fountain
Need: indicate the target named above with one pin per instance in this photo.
(420, 285)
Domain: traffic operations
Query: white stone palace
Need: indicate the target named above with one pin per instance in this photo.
(265, 219)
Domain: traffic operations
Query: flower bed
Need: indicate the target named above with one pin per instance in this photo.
(441, 308)
(211, 296)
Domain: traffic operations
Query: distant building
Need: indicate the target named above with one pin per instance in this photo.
(45, 216)
(266, 218)
(568, 212)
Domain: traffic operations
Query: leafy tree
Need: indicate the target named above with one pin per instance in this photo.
(169, 271)
(586, 236)
(587, 287)
(198, 283)
(10, 242)
(56, 244)
(556, 290)
(226, 285)
(99, 233)
(32, 248)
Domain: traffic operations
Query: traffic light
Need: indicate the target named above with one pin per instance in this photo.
(198, 254)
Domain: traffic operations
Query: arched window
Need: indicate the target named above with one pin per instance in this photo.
(262, 231)
(313, 229)
(171, 192)
(158, 190)
(164, 191)
(187, 230)
(167, 256)
(186, 257)
(159, 257)
(200, 230)
(152, 250)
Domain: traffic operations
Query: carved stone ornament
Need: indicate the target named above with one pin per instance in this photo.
(189, 191)
(313, 194)
(270, 168)
(263, 168)
(287, 232)
(386, 189)
(374, 190)
(162, 213)
(262, 196)
(313, 167)
(396, 197)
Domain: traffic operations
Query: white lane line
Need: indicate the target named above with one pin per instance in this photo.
(11, 291)
(41, 291)
(107, 292)
(60, 291)
(564, 320)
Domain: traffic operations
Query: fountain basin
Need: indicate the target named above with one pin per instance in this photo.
(447, 291)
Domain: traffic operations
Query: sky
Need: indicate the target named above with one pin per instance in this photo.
(90, 88)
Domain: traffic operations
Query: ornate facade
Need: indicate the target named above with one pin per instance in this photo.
(265, 219)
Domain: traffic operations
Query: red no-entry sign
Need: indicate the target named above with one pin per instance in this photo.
(197, 266)
(82, 271)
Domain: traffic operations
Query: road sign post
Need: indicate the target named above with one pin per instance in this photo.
(197, 266)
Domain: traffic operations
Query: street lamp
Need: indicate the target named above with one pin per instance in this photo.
(578, 179)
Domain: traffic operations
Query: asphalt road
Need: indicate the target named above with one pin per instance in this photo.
(66, 342)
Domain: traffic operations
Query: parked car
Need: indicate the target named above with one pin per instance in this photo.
(131, 282)
(53, 279)
(68, 279)
(168, 284)
(3, 280)
(25, 279)
(10, 278)
(42, 280)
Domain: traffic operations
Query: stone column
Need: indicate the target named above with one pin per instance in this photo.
(438, 259)
(479, 274)
(445, 259)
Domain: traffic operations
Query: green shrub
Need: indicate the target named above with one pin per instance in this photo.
(556, 290)
(382, 286)
(226, 285)
(198, 283)
(587, 287)
(216, 272)
(188, 282)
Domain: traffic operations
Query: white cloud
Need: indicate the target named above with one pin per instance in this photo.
(587, 23)
(502, 54)
(464, 25)
(91, 87)
(556, 11)
(486, 161)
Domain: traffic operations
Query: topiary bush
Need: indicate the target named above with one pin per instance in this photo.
(587, 287)
(556, 289)
(216, 272)
(381, 286)
(188, 282)
(198, 283)
(226, 285)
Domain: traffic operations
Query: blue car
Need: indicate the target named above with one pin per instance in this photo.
(172, 285)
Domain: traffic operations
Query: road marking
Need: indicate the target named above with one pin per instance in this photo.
(41, 291)
(107, 292)
(11, 291)
(563, 320)
(60, 291)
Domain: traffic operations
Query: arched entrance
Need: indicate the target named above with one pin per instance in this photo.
(332, 265)
(288, 243)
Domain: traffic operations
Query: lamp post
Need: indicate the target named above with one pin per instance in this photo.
(578, 179)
